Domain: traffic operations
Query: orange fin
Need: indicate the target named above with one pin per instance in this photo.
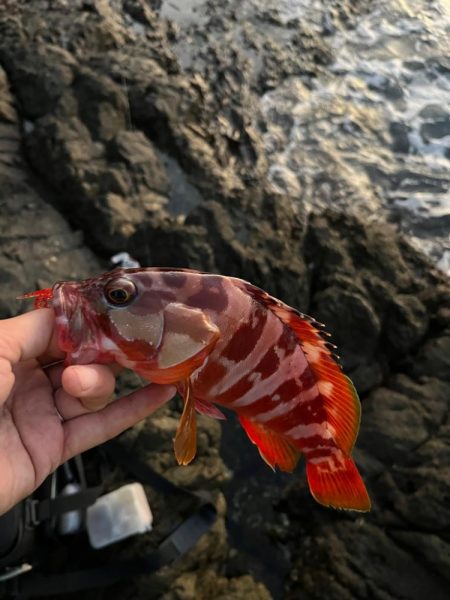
(335, 481)
(274, 449)
(338, 394)
(185, 442)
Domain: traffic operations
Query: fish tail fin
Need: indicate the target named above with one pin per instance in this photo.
(334, 481)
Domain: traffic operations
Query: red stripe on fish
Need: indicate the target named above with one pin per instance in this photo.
(245, 337)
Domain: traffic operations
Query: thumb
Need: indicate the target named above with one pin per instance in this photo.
(21, 338)
(26, 336)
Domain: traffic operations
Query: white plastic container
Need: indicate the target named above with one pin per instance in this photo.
(118, 515)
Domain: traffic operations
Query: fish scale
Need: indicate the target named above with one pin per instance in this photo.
(223, 342)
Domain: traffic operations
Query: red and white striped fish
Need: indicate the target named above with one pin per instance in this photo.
(225, 342)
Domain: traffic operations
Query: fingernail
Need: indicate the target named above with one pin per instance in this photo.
(87, 377)
(95, 404)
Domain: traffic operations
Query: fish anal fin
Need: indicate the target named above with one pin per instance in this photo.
(274, 449)
(335, 481)
(185, 442)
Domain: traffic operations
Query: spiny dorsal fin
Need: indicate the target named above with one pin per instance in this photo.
(338, 394)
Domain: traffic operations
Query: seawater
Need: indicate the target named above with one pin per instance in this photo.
(380, 115)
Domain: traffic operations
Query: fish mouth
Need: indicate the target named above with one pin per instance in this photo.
(68, 316)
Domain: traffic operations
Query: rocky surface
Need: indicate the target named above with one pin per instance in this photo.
(390, 314)
(116, 134)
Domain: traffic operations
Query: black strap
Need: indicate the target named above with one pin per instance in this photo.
(180, 540)
(143, 472)
(41, 510)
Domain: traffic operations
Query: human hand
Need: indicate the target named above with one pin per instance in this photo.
(48, 415)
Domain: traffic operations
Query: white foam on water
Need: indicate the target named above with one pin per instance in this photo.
(391, 67)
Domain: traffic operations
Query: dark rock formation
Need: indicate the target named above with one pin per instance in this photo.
(392, 305)
(109, 143)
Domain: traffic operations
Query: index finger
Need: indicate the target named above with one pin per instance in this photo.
(84, 432)
(30, 335)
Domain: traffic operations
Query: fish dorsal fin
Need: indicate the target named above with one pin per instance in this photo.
(337, 392)
(274, 449)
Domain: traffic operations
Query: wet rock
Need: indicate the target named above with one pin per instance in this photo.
(400, 137)
(302, 56)
(435, 130)
(389, 87)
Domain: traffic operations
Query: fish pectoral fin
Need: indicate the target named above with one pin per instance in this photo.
(273, 447)
(206, 408)
(189, 336)
(185, 442)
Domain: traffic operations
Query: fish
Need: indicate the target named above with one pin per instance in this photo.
(224, 343)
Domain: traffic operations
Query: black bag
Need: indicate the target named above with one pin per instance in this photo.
(33, 522)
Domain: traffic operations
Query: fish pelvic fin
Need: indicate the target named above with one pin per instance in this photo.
(209, 410)
(185, 442)
(275, 450)
(334, 481)
(337, 392)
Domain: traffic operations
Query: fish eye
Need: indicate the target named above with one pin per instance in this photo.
(120, 292)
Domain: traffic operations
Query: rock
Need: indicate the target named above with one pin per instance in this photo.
(304, 55)
(406, 323)
(257, 246)
(102, 104)
(395, 424)
(400, 137)
(211, 586)
(401, 448)
(389, 87)
(351, 320)
(435, 130)
(112, 112)
(37, 247)
(139, 156)
(433, 359)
